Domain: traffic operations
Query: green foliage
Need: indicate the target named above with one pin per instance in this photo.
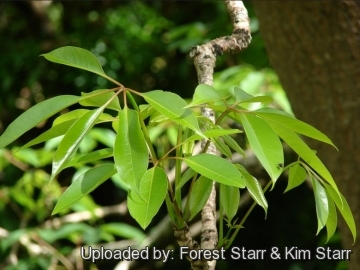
(83, 185)
(140, 167)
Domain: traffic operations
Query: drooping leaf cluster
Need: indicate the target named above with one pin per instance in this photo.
(141, 168)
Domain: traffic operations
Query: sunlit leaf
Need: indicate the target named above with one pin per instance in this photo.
(172, 106)
(199, 195)
(229, 199)
(293, 124)
(83, 185)
(331, 222)
(35, 115)
(265, 144)
(72, 139)
(222, 147)
(297, 176)
(130, 151)
(62, 127)
(303, 150)
(242, 97)
(153, 189)
(77, 58)
(205, 93)
(187, 175)
(254, 188)
(72, 115)
(216, 169)
(344, 208)
(100, 100)
(51, 133)
(91, 157)
(321, 203)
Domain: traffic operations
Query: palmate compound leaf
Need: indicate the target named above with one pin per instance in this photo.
(303, 150)
(172, 106)
(199, 195)
(153, 188)
(35, 115)
(343, 207)
(297, 176)
(77, 58)
(216, 169)
(83, 185)
(265, 144)
(72, 139)
(130, 150)
(229, 199)
(321, 203)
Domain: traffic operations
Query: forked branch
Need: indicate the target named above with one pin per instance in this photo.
(204, 57)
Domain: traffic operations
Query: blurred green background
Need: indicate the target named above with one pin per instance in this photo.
(144, 45)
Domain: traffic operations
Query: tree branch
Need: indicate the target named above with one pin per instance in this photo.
(204, 57)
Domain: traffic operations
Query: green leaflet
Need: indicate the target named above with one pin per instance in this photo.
(100, 100)
(331, 222)
(77, 58)
(61, 126)
(205, 93)
(293, 124)
(301, 148)
(172, 106)
(211, 133)
(72, 115)
(321, 203)
(234, 145)
(297, 176)
(229, 199)
(265, 144)
(216, 169)
(71, 141)
(343, 207)
(254, 188)
(199, 195)
(90, 157)
(153, 188)
(222, 147)
(130, 150)
(83, 185)
(34, 116)
(171, 209)
(242, 97)
(51, 133)
(187, 175)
